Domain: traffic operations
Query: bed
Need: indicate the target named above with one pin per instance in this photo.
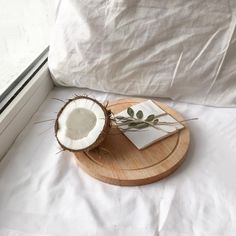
(188, 63)
(44, 192)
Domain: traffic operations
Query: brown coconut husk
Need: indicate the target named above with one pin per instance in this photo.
(103, 134)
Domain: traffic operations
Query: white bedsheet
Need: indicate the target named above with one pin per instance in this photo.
(47, 194)
(181, 49)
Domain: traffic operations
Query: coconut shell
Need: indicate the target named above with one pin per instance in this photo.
(103, 134)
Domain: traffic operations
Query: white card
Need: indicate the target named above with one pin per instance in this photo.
(145, 137)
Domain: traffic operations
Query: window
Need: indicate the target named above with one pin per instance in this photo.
(25, 28)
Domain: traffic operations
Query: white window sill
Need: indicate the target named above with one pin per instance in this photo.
(17, 114)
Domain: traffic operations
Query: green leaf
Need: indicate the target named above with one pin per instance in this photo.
(150, 118)
(139, 114)
(141, 126)
(120, 117)
(130, 112)
(134, 124)
(155, 122)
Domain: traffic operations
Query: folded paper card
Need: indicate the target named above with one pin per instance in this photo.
(147, 136)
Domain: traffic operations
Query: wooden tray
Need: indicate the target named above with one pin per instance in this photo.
(119, 162)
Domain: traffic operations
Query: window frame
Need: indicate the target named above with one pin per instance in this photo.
(22, 101)
(21, 81)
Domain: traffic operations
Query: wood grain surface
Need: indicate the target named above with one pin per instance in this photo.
(117, 161)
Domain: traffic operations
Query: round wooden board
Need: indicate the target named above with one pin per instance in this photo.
(119, 162)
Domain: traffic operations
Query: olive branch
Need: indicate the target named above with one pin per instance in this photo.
(135, 122)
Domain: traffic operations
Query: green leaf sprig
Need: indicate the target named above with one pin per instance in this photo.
(135, 122)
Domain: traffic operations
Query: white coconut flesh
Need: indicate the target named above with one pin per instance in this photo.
(80, 124)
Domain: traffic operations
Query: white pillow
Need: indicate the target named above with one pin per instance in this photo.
(182, 49)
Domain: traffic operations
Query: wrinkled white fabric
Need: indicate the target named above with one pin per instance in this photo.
(48, 194)
(182, 49)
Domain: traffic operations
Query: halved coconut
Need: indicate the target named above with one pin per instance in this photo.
(82, 124)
